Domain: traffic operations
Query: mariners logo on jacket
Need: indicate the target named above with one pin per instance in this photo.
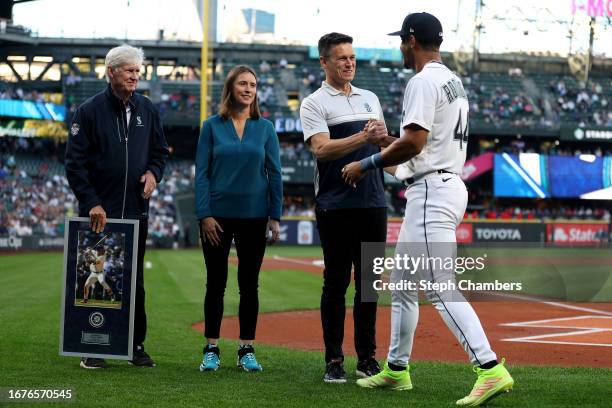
(74, 130)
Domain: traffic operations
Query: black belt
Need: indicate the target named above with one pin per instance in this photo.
(411, 180)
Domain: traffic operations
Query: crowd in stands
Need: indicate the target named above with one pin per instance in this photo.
(266, 92)
(518, 213)
(491, 105)
(495, 107)
(181, 103)
(36, 196)
(585, 106)
(162, 208)
(295, 151)
(8, 92)
(311, 78)
(298, 207)
(392, 105)
(33, 203)
(9, 146)
(498, 107)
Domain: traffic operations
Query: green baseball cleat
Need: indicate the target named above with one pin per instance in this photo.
(490, 383)
(387, 378)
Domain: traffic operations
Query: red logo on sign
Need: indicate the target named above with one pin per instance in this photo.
(464, 233)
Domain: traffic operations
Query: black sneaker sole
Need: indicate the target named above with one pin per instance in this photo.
(335, 380)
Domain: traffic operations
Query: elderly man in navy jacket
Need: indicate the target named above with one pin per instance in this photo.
(115, 156)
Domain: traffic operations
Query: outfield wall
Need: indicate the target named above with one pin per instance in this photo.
(303, 231)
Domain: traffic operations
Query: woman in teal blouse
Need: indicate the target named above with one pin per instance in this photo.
(239, 194)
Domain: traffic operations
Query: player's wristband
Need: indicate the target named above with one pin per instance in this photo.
(372, 162)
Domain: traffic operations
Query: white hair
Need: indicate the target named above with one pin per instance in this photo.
(122, 55)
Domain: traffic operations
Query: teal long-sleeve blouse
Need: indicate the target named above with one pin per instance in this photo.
(238, 178)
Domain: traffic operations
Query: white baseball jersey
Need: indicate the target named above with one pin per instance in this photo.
(435, 100)
(99, 263)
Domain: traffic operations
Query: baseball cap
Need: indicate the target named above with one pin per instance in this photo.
(425, 27)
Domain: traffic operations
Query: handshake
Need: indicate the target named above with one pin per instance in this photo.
(375, 132)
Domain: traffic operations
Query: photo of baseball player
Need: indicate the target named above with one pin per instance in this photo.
(99, 270)
(429, 157)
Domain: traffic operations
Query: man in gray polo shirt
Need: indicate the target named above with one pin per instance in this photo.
(343, 123)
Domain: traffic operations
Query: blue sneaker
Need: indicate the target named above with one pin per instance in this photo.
(211, 361)
(247, 360)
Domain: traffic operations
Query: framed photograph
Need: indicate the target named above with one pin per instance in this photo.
(98, 289)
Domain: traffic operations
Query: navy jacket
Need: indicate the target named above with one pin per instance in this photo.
(105, 158)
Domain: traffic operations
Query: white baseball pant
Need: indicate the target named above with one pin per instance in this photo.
(434, 207)
(96, 277)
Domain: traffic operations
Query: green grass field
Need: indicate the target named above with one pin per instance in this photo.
(29, 318)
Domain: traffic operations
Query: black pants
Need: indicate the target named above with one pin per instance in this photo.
(341, 233)
(249, 235)
(140, 317)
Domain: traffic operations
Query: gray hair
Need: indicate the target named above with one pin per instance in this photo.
(121, 55)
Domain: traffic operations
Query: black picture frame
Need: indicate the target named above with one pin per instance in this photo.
(98, 289)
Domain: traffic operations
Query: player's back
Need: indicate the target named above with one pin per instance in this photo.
(436, 100)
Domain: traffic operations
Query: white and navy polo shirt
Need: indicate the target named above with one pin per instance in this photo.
(329, 110)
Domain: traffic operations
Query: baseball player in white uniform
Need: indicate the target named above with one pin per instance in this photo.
(430, 155)
(97, 275)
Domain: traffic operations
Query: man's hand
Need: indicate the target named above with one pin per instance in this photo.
(149, 184)
(274, 228)
(97, 219)
(351, 173)
(211, 229)
(376, 131)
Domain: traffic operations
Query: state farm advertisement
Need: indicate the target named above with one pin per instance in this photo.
(577, 234)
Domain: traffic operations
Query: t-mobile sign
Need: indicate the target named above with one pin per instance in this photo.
(593, 8)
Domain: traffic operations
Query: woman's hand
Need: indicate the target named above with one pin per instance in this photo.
(274, 231)
(211, 229)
